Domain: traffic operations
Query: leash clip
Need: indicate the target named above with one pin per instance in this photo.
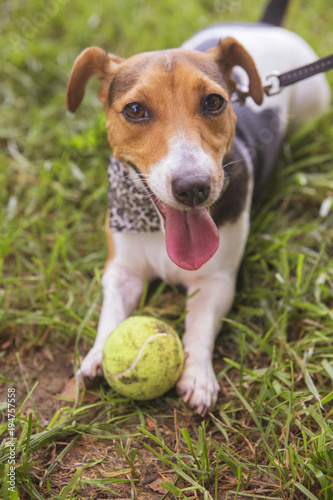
(242, 93)
(272, 87)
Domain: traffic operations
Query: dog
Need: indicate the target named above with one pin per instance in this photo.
(186, 163)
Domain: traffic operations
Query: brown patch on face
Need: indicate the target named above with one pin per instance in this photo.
(126, 78)
(172, 87)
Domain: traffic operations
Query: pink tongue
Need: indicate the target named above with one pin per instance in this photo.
(192, 237)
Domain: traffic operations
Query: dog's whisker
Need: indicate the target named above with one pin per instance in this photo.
(231, 163)
(143, 189)
(149, 196)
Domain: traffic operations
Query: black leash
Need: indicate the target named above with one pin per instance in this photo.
(275, 82)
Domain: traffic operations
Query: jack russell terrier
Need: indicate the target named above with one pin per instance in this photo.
(186, 163)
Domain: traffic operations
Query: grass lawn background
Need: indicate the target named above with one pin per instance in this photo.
(270, 435)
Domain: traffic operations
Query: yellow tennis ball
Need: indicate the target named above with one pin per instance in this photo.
(142, 358)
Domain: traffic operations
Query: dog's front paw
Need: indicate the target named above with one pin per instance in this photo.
(91, 366)
(198, 387)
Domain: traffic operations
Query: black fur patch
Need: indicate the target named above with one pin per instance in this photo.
(232, 200)
(261, 137)
(261, 134)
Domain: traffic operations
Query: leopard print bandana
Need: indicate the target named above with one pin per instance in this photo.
(131, 209)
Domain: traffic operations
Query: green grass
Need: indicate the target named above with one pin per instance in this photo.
(271, 434)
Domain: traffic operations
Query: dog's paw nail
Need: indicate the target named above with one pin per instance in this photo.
(91, 366)
(202, 409)
(184, 393)
(198, 389)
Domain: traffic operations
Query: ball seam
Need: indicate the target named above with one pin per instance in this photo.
(137, 359)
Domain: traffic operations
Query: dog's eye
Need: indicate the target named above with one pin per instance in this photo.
(134, 111)
(214, 103)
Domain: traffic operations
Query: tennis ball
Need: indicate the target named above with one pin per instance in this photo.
(142, 358)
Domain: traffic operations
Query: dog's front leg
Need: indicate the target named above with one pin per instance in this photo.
(121, 293)
(197, 385)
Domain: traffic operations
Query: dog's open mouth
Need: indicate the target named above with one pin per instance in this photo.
(191, 235)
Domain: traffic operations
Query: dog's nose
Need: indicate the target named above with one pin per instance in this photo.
(191, 192)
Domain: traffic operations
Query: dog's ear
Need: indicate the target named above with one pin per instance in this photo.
(229, 53)
(92, 60)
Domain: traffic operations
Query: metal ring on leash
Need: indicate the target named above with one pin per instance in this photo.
(272, 87)
(275, 82)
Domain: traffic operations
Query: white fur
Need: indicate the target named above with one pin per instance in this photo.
(183, 157)
(121, 292)
(144, 255)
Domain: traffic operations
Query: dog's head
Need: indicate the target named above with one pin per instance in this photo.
(169, 114)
